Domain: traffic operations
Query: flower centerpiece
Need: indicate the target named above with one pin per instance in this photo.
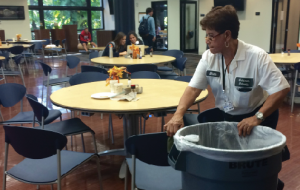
(135, 51)
(115, 73)
(298, 45)
(18, 37)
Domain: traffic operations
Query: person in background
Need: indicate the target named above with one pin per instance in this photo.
(133, 39)
(158, 29)
(247, 86)
(151, 37)
(119, 46)
(86, 38)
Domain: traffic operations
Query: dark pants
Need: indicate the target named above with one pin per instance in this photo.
(270, 121)
(148, 40)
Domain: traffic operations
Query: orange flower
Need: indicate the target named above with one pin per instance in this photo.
(115, 73)
(298, 45)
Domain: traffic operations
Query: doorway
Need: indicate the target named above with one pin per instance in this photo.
(160, 15)
(188, 27)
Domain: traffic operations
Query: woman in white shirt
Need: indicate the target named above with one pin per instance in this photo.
(245, 82)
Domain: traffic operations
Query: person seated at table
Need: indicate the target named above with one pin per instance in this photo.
(86, 38)
(118, 46)
(133, 39)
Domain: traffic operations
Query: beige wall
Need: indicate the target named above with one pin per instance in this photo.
(13, 27)
(173, 19)
(293, 27)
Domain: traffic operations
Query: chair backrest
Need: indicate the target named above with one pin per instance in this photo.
(46, 42)
(141, 67)
(5, 54)
(89, 68)
(184, 78)
(63, 41)
(38, 46)
(93, 55)
(72, 61)
(149, 148)
(39, 109)
(34, 143)
(46, 68)
(180, 63)
(56, 42)
(32, 47)
(11, 94)
(297, 66)
(174, 53)
(145, 75)
(147, 50)
(86, 77)
(16, 50)
(211, 115)
(10, 40)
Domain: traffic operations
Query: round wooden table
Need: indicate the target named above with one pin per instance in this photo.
(26, 41)
(284, 59)
(158, 95)
(97, 48)
(4, 46)
(122, 61)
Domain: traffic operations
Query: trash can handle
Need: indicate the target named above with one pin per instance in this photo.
(176, 159)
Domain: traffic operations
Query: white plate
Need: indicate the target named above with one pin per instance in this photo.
(103, 95)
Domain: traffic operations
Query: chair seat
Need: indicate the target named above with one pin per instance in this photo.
(153, 177)
(165, 68)
(45, 170)
(68, 127)
(171, 77)
(190, 119)
(53, 82)
(27, 117)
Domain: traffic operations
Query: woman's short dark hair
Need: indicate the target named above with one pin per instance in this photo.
(117, 40)
(149, 10)
(221, 19)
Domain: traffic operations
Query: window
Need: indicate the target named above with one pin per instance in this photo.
(96, 3)
(78, 3)
(63, 17)
(32, 2)
(34, 17)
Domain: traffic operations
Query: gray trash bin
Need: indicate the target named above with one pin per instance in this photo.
(221, 160)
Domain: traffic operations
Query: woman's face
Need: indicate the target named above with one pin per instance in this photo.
(123, 41)
(132, 38)
(215, 41)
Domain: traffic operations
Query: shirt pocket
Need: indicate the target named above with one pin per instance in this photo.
(243, 89)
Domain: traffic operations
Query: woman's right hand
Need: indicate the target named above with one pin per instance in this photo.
(123, 53)
(174, 125)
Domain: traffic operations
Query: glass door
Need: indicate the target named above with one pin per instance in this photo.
(188, 26)
(160, 15)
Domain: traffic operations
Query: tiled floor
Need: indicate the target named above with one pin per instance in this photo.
(86, 176)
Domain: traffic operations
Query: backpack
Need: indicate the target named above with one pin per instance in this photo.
(143, 28)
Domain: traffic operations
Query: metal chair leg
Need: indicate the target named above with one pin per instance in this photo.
(294, 90)
(126, 177)
(3, 75)
(111, 129)
(162, 123)
(99, 173)
(198, 105)
(141, 132)
(21, 75)
(26, 63)
(95, 144)
(82, 140)
(144, 126)
(51, 187)
(37, 187)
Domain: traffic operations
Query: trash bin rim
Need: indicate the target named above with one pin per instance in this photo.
(204, 148)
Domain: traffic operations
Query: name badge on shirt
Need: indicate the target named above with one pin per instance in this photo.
(212, 73)
(243, 84)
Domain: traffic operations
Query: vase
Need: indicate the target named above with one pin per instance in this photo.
(134, 55)
(112, 85)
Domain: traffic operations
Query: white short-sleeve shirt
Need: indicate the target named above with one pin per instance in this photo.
(252, 77)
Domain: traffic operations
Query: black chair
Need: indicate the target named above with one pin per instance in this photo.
(45, 162)
(149, 165)
(141, 67)
(210, 115)
(180, 65)
(145, 75)
(16, 51)
(93, 55)
(174, 53)
(29, 53)
(68, 127)
(10, 95)
(86, 77)
(88, 68)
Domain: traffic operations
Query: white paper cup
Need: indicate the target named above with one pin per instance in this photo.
(112, 87)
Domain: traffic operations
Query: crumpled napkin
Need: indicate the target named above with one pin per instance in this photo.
(129, 97)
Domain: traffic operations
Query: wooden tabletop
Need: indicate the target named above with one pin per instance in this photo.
(5, 46)
(122, 61)
(26, 41)
(98, 48)
(2, 58)
(285, 59)
(158, 95)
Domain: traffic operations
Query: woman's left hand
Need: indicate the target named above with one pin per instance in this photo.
(246, 125)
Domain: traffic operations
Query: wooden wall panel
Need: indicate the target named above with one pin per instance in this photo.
(71, 37)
